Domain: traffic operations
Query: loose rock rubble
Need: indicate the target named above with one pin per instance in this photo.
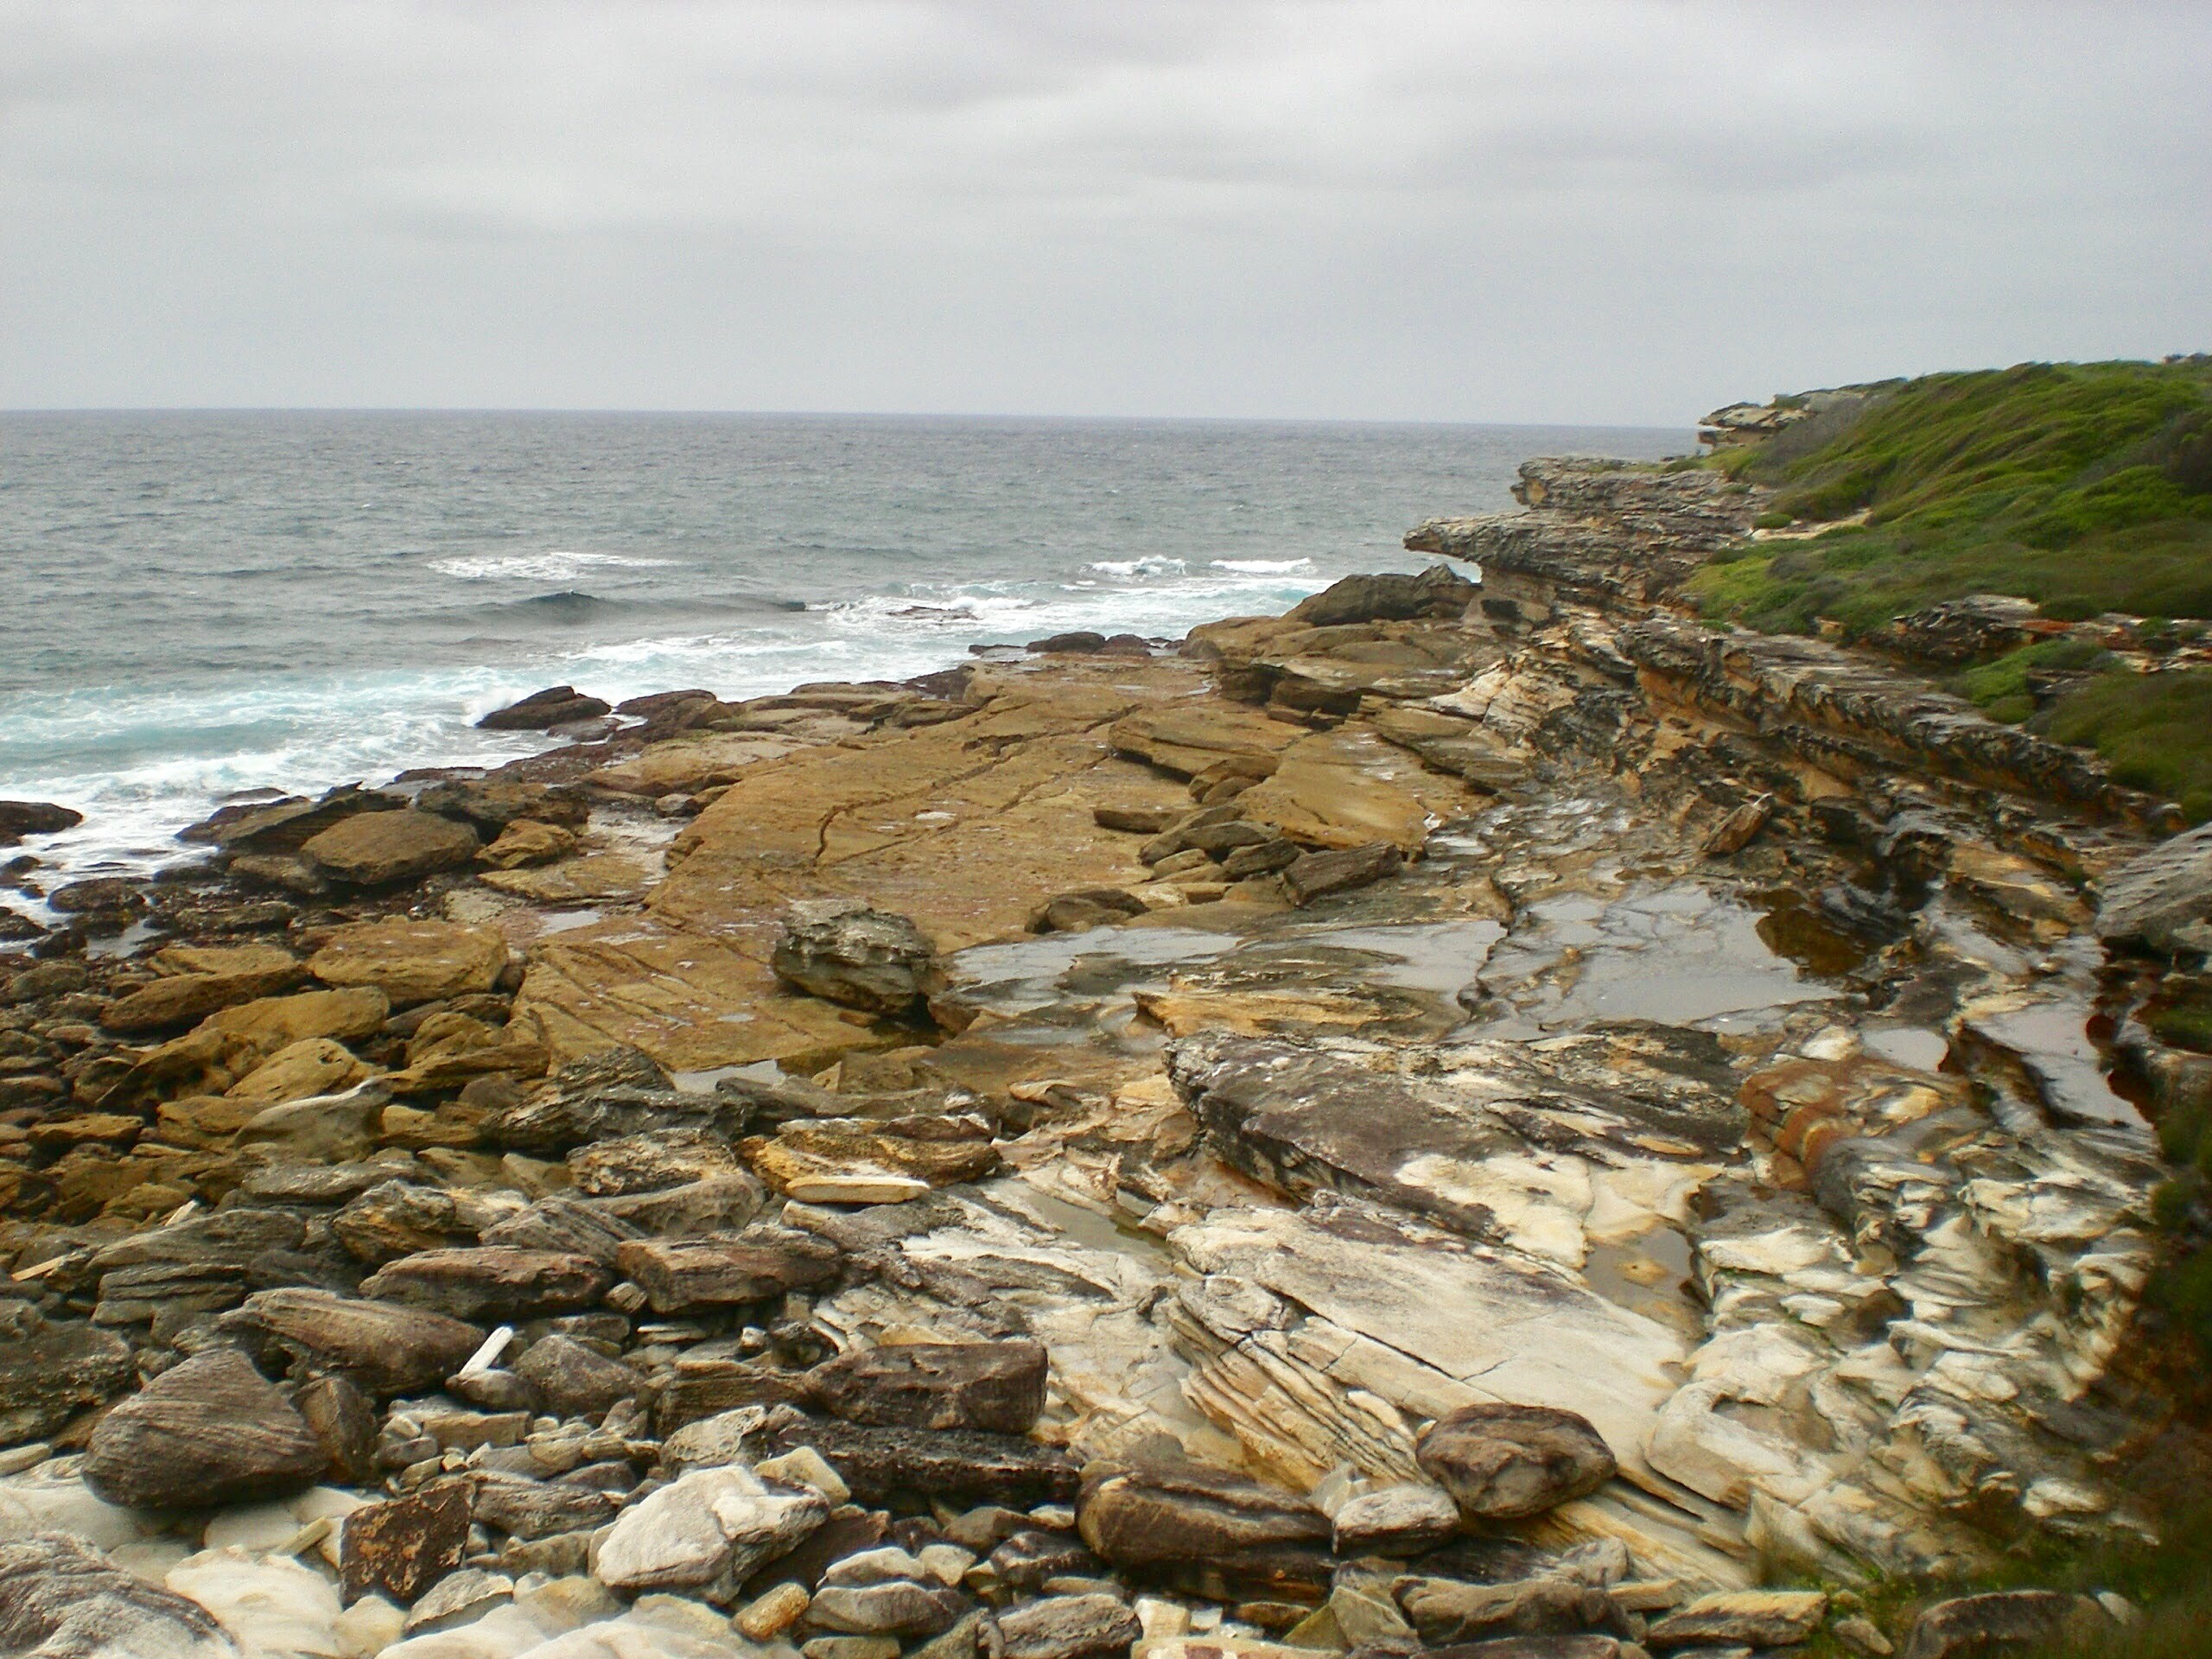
(1472, 1115)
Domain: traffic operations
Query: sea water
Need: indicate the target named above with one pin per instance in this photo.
(202, 604)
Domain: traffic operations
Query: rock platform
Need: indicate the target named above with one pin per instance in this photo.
(1477, 1112)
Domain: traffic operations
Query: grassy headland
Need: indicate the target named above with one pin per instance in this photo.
(2086, 488)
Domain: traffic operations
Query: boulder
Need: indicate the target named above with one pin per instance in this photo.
(211, 1430)
(1445, 1611)
(1077, 642)
(21, 819)
(671, 1156)
(557, 705)
(494, 1280)
(572, 1226)
(1503, 1462)
(998, 1386)
(374, 849)
(526, 843)
(1437, 590)
(1755, 1618)
(279, 827)
(574, 1381)
(1406, 1518)
(103, 895)
(1069, 1627)
(1162, 1517)
(385, 1348)
(2005, 1622)
(60, 1598)
(1084, 909)
(760, 1262)
(411, 961)
(401, 1548)
(864, 958)
(2162, 899)
(186, 999)
(958, 1467)
(704, 1533)
(1315, 874)
(492, 807)
(898, 1607)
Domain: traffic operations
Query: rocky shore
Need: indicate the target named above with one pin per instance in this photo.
(1477, 1116)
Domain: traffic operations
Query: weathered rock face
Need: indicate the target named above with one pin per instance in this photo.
(864, 958)
(1437, 591)
(51, 1371)
(1503, 1462)
(211, 1431)
(385, 1348)
(375, 849)
(680, 1274)
(494, 1280)
(21, 819)
(991, 1385)
(1161, 1518)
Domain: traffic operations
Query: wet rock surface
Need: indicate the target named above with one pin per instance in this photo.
(1474, 1115)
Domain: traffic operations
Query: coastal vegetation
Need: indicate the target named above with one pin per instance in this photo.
(2085, 488)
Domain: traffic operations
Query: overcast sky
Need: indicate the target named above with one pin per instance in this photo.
(1485, 210)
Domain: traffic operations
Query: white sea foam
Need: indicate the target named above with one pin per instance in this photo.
(1263, 567)
(553, 565)
(1153, 565)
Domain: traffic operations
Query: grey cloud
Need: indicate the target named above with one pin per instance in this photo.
(1590, 209)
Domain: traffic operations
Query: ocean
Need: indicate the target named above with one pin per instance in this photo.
(205, 603)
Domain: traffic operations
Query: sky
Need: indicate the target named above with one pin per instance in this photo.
(1611, 211)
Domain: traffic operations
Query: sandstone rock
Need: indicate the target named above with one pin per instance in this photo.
(2152, 897)
(557, 705)
(1164, 1517)
(1757, 1619)
(467, 1284)
(705, 1533)
(1078, 642)
(572, 1226)
(383, 1347)
(526, 843)
(845, 1160)
(104, 895)
(411, 961)
(998, 1386)
(209, 1431)
(1406, 1518)
(1503, 1462)
(962, 1466)
(1134, 820)
(1069, 1627)
(574, 1381)
(763, 1261)
(401, 1548)
(396, 1219)
(50, 1371)
(280, 826)
(542, 1508)
(380, 848)
(1316, 875)
(60, 1598)
(862, 957)
(343, 1420)
(185, 998)
(1084, 909)
(313, 1067)
(2003, 1621)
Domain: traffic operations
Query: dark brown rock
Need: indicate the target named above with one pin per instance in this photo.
(103, 895)
(21, 819)
(1446, 1611)
(2003, 1621)
(704, 1387)
(654, 1159)
(1135, 820)
(1170, 1517)
(1084, 909)
(185, 999)
(383, 1347)
(542, 1509)
(1069, 1627)
(49, 1371)
(1077, 642)
(209, 1431)
(762, 1261)
(490, 1279)
(574, 1381)
(998, 1386)
(343, 1420)
(1316, 873)
(954, 1465)
(491, 807)
(401, 1548)
(557, 705)
(1502, 1462)
(1388, 596)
